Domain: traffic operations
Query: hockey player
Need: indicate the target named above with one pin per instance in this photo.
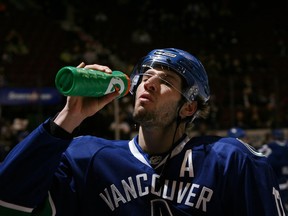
(161, 171)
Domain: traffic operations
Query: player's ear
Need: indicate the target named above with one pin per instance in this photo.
(188, 109)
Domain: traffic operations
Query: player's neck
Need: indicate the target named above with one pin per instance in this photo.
(157, 141)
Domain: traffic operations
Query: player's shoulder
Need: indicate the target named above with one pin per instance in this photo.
(277, 144)
(225, 146)
(83, 150)
(87, 145)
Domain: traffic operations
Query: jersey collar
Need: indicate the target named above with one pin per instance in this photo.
(138, 153)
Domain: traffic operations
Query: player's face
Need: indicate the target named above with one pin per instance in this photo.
(157, 98)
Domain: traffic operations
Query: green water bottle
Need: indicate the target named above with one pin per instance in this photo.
(72, 81)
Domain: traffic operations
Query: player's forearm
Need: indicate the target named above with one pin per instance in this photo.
(67, 121)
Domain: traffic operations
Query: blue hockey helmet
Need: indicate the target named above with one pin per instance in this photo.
(278, 134)
(236, 132)
(183, 63)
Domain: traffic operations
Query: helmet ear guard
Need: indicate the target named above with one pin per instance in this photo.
(191, 93)
(184, 64)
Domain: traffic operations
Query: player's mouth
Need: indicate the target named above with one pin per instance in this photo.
(146, 97)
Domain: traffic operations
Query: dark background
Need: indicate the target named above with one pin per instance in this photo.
(242, 44)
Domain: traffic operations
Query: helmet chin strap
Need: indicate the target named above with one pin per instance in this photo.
(160, 181)
(195, 115)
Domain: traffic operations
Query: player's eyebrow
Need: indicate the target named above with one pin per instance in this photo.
(163, 73)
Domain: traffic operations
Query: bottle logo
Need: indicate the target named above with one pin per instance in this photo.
(115, 83)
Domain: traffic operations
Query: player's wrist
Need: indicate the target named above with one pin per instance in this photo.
(67, 121)
(56, 131)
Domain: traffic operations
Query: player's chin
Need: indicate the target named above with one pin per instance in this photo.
(142, 108)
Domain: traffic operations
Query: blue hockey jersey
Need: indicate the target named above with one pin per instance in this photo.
(277, 156)
(88, 176)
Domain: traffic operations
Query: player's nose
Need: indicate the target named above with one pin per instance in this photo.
(152, 83)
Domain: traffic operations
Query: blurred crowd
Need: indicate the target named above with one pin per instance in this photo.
(246, 81)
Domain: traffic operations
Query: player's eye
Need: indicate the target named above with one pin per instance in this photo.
(165, 82)
(146, 77)
(162, 78)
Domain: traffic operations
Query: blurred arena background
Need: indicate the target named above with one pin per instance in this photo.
(242, 44)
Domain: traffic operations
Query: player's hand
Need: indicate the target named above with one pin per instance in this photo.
(78, 108)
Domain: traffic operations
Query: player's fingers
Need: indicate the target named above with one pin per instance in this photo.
(81, 65)
(99, 67)
(109, 97)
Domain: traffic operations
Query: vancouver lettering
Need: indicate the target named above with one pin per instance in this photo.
(186, 193)
(193, 195)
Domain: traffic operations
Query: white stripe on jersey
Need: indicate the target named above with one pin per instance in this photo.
(52, 205)
(15, 207)
(136, 152)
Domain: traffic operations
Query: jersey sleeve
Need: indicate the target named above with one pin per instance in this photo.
(27, 172)
(259, 176)
(252, 184)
